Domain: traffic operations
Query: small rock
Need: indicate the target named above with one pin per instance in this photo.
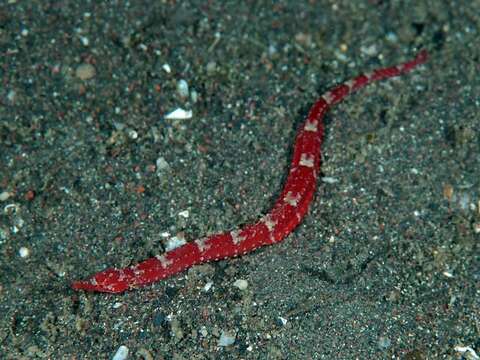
(24, 252)
(226, 339)
(174, 242)
(182, 88)
(162, 164)
(5, 195)
(194, 95)
(121, 354)
(132, 134)
(85, 72)
(167, 68)
(208, 286)
(177, 330)
(179, 114)
(184, 213)
(211, 67)
(241, 284)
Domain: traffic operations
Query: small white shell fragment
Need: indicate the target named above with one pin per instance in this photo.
(179, 114)
(121, 354)
(167, 68)
(468, 350)
(85, 71)
(194, 95)
(5, 195)
(182, 88)
(24, 252)
(447, 274)
(208, 286)
(132, 134)
(162, 164)
(185, 214)
(329, 180)
(283, 320)
(117, 305)
(371, 50)
(84, 40)
(174, 242)
(226, 339)
(241, 284)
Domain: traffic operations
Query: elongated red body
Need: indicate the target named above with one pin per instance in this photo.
(286, 214)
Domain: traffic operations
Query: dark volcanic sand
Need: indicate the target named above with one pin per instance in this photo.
(386, 264)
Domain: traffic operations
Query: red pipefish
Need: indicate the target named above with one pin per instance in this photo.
(287, 212)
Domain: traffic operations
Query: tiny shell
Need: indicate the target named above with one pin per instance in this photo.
(24, 252)
(85, 72)
(174, 242)
(167, 68)
(241, 284)
(121, 354)
(5, 195)
(182, 88)
(179, 113)
(226, 339)
(184, 213)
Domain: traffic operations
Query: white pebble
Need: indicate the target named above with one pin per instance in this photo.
(5, 195)
(211, 67)
(185, 214)
(117, 305)
(121, 354)
(85, 71)
(329, 180)
(162, 164)
(194, 96)
(167, 68)
(226, 339)
(132, 134)
(369, 50)
(208, 286)
(182, 88)
(241, 284)
(179, 114)
(84, 40)
(468, 351)
(447, 274)
(174, 242)
(24, 252)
